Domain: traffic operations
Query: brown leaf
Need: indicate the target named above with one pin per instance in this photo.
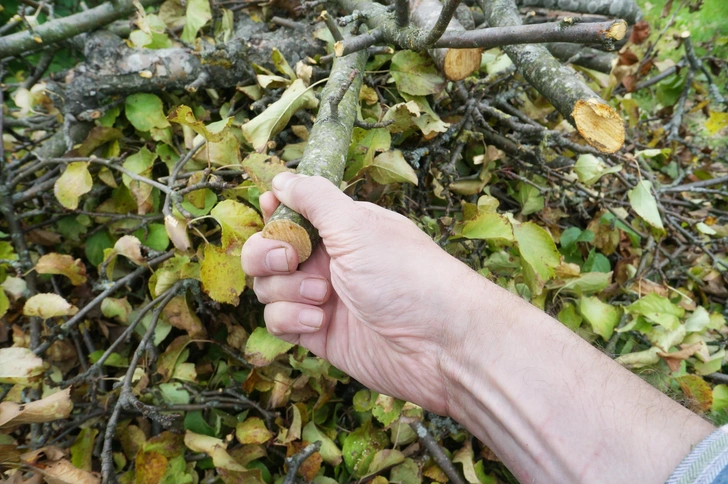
(673, 359)
(48, 409)
(310, 467)
(697, 392)
(150, 467)
(627, 58)
(63, 472)
(640, 32)
(64, 265)
(179, 315)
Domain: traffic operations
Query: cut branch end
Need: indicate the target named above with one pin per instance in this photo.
(599, 125)
(617, 31)
(291, 232)
(460, 63)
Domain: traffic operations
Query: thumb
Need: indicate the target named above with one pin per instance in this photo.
(316, 198)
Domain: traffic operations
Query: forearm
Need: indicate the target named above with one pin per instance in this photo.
(554, 408)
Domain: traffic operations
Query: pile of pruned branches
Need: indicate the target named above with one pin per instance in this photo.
(132, 349)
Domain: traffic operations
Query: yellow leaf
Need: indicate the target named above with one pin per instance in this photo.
(74, 182)
(717, 122)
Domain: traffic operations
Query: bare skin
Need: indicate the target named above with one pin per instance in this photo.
(382, 302)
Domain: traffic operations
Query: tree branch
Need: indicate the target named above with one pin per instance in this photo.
(64, 28)
(326, 151)
(597, 122)
(586, 33)
(626, 9)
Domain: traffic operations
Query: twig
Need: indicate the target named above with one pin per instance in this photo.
(295, 461)
(124, 337)
(698, 184)
(603, 32)
(286, 22)
(78, 317)
(126, 398)
(331, 25)
(335, 100)
(436, 452)
(64, 28)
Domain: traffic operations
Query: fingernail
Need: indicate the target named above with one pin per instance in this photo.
(281, 181)
(314, 289)
(313, 318)
(277, 260)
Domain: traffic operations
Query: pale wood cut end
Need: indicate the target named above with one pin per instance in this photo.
(291, 232)
(618, 30)
(460, 63)
(599, 125)
(339, 49)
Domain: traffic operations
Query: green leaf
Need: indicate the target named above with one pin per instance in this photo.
(195, 422)
(416, 74)
(698, 320)
(530, 198)
(4, 302)
(642, 201)
(489, 226)
(82, 449)
(407, 472)
(596, 262)
(174, 393)
(252, 431)
(330, 453)
(657, 309)
(640, 359)
(570, 317)
(538, 253)
(197, 15)
(602, 317)
(262, 347)
(271, 121)
(74, 182)
(96, 244)
(363, 400)
(155, 237)
(361, 445)
(384, 459)
(387, 409)
(391, 167)
(589, 169)
(720, 398)
(145, 112)
(571, 236)
(222, 275)
(365, 144)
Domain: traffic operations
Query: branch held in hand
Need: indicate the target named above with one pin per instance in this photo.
(326, 151)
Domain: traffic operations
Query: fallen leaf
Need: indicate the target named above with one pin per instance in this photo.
(65, 265)
(47, 306)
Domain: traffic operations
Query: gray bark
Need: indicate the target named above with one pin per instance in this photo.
(67, 27)
(112, 68)
(583, 56)
(624, 9)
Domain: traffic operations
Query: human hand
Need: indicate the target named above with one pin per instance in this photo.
(377, 298)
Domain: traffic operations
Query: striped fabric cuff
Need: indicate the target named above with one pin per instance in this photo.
(707, 463)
